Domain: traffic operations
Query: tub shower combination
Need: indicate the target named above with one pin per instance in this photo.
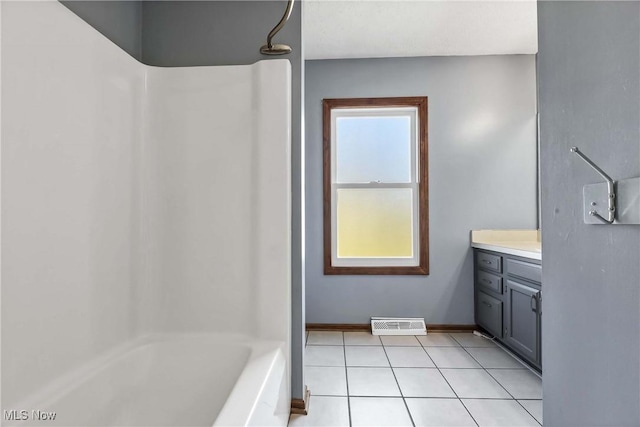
(145, 233)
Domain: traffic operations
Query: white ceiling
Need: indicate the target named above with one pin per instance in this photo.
(396, 28)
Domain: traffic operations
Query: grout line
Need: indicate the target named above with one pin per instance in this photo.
(452, 389)
(516, 400)
(499, 383)
(528, 410)
(454, 338)
(397, 383)
(346, 379)
(358, 396)
(329, 395)
(502, 367)
(324, 345)
(468, 412)
(420, 397)
(429, 356)
(411, 367)
(500, 346)
(320, 366)
(510, 353)
(364, 346)
(488, 373)
(457, 398)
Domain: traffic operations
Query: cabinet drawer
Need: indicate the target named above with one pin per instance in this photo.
(489, 313)
(489, 281)
(489, 262)
(524, 270)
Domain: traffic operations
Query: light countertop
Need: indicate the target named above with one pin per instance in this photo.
(524, 243)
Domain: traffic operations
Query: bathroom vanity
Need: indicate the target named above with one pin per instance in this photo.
(508, 289)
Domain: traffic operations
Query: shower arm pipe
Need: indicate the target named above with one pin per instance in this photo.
(611, 190)
(278, 49)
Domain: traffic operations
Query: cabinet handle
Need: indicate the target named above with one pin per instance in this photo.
(487, 304)
(487, 281)
(540, 303)
(487, 261)
(534, 303)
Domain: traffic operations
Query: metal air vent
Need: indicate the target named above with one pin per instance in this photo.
(398, 326)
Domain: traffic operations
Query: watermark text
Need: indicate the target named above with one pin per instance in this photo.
(24, 415)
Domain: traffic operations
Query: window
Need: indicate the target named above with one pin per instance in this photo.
(375, 186)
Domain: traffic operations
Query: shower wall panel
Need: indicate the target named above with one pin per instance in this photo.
(70, 114)
(216, 179)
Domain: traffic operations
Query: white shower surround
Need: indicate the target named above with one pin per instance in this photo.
(145, 227)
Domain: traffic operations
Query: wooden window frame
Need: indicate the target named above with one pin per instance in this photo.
(422, 174)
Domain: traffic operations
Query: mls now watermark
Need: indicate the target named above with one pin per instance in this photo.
(24, 415)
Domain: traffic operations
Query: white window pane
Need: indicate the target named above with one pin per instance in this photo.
(375, 223)
(371, 149)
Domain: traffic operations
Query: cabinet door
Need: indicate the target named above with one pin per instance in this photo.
(522, 325)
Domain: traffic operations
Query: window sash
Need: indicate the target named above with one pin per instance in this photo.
(376, 261)
(412, 112)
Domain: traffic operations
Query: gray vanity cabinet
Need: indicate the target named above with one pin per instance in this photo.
(508, 297)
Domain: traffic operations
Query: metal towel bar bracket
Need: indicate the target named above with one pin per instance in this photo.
(622, 198)
(611, 190)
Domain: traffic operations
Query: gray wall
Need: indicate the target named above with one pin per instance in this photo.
(119, 21)
(192, 33)
(482, 174)
(589, 72)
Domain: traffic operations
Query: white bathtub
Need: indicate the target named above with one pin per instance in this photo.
(149, 214)
(170, 380)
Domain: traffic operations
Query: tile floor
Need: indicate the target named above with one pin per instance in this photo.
(457, 379)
